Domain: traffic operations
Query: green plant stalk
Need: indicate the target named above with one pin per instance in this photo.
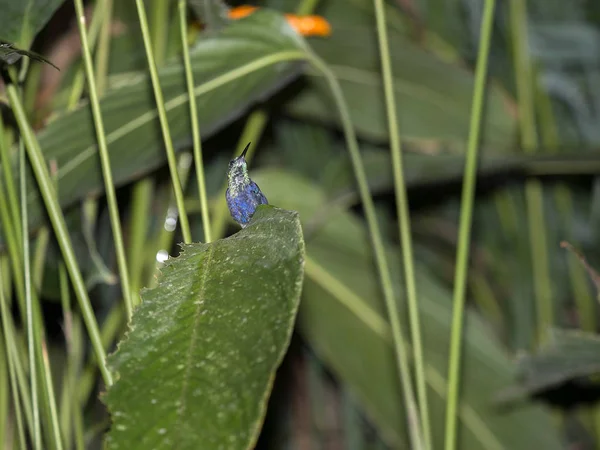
(197, 142)
(46, 372)
(15, 261)
(36, 347)
(58, 223)
(253, 129)
(37, 432)
(94, 30)
(39, 257)
(6, 432)
(103, 49)
(158, 29)
(464, 232)
(112, 325)
(580, 290)
(533, 187)
(67, 395)
(21, 377)
(138, 224)
(109, 186)
(160, 104)
(306, 7)
(11, 366)
(165, 238)
(380, 257)
(8, 176)
(79, 433)
(403, 223)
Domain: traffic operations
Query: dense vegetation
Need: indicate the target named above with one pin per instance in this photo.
(422, 278)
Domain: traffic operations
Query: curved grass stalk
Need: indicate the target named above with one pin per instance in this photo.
(109, 186)
(380, 257)
(94, 30)
(403, 222)
(8, 337)
(197, 142)
(35, 407)
(47, 190)
(9, 182)
(164, 124)
(464, 233)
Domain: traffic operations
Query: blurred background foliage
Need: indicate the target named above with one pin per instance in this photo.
(528, 379)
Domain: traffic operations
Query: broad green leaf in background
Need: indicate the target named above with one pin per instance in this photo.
(21, 20)
(569, 354)
(226, 86)
(196, 368)
(212, 13)
(342, 316)
(433, 96)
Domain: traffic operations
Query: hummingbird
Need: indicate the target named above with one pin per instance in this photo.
(243, 195)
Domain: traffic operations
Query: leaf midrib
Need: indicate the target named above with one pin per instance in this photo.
(206, 267)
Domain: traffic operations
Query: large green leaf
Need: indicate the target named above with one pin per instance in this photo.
(196, 368)
(21, 20)
(433, 97)
(342, 315)
(570, 354)
(226, 86)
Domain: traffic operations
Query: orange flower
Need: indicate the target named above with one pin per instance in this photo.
(304, 25)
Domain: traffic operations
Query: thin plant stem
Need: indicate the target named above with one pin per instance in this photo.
(13, 203)
(37, 433)
(47, 190)
(103, 50)
(164, 240)
(379, 250)
(464, 231)
(159, 29)
(138, 229)
(66, 403)
(109, 186)
(533, 187)
(197, 142)
(11, 366)
(39, 257)
(160, 105)
(580, 291)
(54, 422)
(306, 7)
(403, 222)
(78, 80)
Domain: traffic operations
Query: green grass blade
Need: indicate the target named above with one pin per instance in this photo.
(109, 187)
(382, 264)
(172, 162)
(35, 407)
(197, 142)
(11, 367)
(403, 222)
(464, 233)
(46, 186)
(533, 187)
